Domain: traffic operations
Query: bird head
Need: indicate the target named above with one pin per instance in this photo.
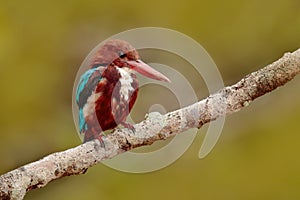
(121, 54)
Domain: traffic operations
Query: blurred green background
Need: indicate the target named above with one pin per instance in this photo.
(42, 44)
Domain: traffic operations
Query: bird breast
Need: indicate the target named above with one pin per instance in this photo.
(125, 84)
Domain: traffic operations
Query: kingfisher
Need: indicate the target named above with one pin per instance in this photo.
(108, 89)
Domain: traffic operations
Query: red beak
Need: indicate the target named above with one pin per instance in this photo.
(146, 70)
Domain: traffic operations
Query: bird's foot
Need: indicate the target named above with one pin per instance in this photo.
(128, 126)
(99, 137)
(95, 137)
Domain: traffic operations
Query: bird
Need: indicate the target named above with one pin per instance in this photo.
(108, 89)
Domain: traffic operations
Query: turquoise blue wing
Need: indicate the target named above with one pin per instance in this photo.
(83, 83)
(87, 84)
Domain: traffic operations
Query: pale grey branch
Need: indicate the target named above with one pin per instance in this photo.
(15, 184)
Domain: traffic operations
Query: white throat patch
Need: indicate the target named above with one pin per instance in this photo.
(125, 81)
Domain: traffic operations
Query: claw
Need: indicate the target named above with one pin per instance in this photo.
(91, 136)
(99, 137)
(128, 126)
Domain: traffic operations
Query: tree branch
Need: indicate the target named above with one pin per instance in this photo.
(15, 184)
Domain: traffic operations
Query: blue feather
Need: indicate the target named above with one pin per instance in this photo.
(84, 88)
(83, 81)
(82, 123)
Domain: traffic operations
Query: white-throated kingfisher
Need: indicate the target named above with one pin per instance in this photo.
(107, 91)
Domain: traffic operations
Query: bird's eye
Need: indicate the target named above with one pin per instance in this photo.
(122, 54)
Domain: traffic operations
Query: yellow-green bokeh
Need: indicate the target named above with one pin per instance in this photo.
(42, 44)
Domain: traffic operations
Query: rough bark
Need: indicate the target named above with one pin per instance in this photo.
(15, 184)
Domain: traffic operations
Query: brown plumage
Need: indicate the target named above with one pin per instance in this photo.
(108, 90)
